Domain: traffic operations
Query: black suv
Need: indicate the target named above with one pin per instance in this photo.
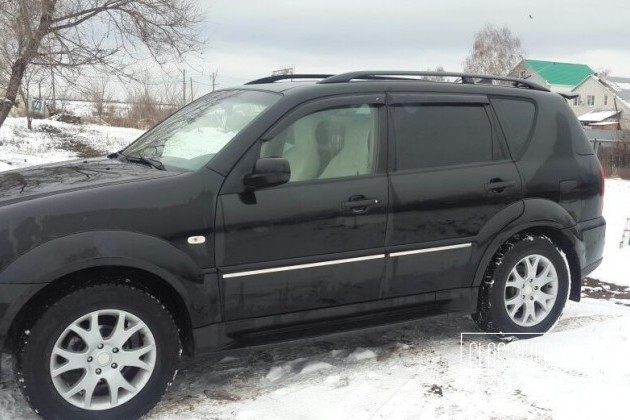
(283, 210)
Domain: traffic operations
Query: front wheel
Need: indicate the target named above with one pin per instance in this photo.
(101, 352)
(525, 288)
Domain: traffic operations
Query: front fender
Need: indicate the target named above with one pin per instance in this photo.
(62, 256)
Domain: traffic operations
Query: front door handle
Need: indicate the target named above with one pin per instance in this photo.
(497, 185)
(359, 204)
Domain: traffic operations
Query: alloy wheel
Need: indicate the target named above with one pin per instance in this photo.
(103, 359)
(531, 290)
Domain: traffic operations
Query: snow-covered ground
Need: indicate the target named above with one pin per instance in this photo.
(52, 141)
(424, 369)
(616, 265)
(88, 108)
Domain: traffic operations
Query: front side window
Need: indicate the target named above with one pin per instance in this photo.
(333, 143)
(193, 135)
(590, 100)
(432, 135)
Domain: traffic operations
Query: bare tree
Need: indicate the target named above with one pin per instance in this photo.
(4, 76)
(603, 73)
(146, 107)
(615, 158)
(99, 94)
(438, 69)
(170, 93)
(69, 35)
(213, 77)
(32, 76)
(495, 51)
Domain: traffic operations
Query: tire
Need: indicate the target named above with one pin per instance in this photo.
(525, 288)
(138, 356)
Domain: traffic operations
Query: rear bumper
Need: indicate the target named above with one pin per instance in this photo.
(591, 267)
(588, 240)
(593, 235)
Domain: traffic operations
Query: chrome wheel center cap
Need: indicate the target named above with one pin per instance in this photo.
(528, 290)
(104, 359)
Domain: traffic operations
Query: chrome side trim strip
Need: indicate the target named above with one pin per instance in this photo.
(425, 250)
(302, 266)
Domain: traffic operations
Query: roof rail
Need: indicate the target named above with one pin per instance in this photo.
(271, 79)
(463, 77)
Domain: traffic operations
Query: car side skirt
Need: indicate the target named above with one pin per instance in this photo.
(318, 323)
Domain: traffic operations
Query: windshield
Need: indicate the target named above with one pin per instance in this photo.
(193, 135)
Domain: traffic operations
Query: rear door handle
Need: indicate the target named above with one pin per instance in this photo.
(359, 204)
(498, 185)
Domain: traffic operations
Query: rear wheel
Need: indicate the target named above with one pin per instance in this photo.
(525, 288)
(106, 351)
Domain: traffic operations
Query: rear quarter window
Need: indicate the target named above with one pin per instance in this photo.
(516, 117)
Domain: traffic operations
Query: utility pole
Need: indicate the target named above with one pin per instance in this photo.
(184, 86)
(54, 96)
(213, 77)
(192, 93)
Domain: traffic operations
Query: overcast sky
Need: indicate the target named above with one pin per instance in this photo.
(248, 39)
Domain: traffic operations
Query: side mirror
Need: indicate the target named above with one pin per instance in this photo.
(269, 172)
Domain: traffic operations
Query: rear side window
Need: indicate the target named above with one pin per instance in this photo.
(516, 117)
(431, 135)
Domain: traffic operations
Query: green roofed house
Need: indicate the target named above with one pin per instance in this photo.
(602, 104)
(559, 77)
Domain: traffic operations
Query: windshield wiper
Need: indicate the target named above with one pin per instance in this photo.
(154, 163)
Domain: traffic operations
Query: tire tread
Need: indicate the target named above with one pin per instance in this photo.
(22, 339)
(483, 317)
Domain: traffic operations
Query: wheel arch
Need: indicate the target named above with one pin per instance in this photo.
(540, 217)
(156, 262)
(144, 280)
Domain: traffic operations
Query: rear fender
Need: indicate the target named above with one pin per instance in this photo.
(538, 214)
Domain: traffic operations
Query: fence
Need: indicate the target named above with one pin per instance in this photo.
(614, 156)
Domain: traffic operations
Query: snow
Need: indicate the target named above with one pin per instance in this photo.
(597, 115)
(88, 108)
(311, 367)
(197, 141)
(614, 268)
(418, 370)
(53, 141)
(361, 354)
(422, 369)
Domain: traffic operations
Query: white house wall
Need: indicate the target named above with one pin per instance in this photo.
(592, 86)
(533, 77)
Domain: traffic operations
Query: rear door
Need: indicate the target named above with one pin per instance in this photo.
(317, 241)
(449, 176)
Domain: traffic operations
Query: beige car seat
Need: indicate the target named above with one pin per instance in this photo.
(354, 158)
(303, 157)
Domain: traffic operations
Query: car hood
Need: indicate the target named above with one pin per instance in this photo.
(36, 181)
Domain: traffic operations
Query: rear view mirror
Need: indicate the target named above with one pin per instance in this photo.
(269, 172)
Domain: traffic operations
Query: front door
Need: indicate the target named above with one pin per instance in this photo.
(317, 241)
